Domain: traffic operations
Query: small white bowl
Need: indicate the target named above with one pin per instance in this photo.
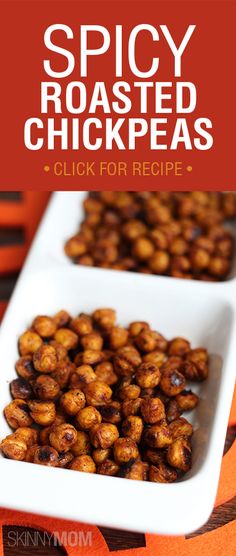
(205, 314)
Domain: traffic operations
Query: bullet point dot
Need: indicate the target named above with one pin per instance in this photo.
(189, 168)
(46, 168)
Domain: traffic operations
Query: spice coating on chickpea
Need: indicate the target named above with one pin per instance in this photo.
(46, 455)
(42, 412)
(46, 388)
(45, 359)
(29, 342)
(148, 375)
(83, 463)
(103, 435)
(179, 454)
(132, 427)
(125, 449)
(44, 326)
(106, 399)
(82, 444)
(25, 369)
(17, 414)
(172, 382)
(67, 338)
(152, 410)
(63, 437)
(97, 393)
(87, 417)
(72, 401)
(21, 388)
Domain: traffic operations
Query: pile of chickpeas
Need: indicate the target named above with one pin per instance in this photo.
(93, 396)
(179, 234)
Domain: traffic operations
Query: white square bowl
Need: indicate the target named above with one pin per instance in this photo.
(174, 307)
(62, 220)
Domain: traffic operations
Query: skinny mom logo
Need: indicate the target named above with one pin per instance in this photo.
(29, 538)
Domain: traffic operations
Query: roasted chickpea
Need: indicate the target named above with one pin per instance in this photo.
(179, 346)
(158, 436)
(125, 449)
(180, 427)
(64, 459)
(105, 372)
(143, 248)
(118, 337)
(219, 267)
(17, 414)
(44, 326)
(162, 473)
(178, 246)
(21, 389)
(67, 338)
(72, 401)
(100, 455)
(105, 318)
(63, 373)
(172, 382)
(84, 374)
(126, 360)
(173, 410)
(14, 447)
(82, 325)
(91, 357)
(159, 262)
(45, 359)
(82, 444)
(25, 368)
(154, 456)
(152, 410)
(92, 341)
(111, 412)
(97, 393)
(136, 327)
(46, 455)
(28, 434)
(146, 340)
(83, 463)
(148, 375)
(87, 417)
(136, 472)
(75, 247)
(132, 427)
(29, 342)
(131, 407)
(157, 357)
(103, 435)
(42, 412)
(159, 239)
(195, 371)
(187, 400)
(133, 229)
(31, 453)
(63, 437)
(224, 247)
(179, 454)
(61, 352)
(108, 467)
(206, 243)
(61, 319)
(46, 388)
(129, 392)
